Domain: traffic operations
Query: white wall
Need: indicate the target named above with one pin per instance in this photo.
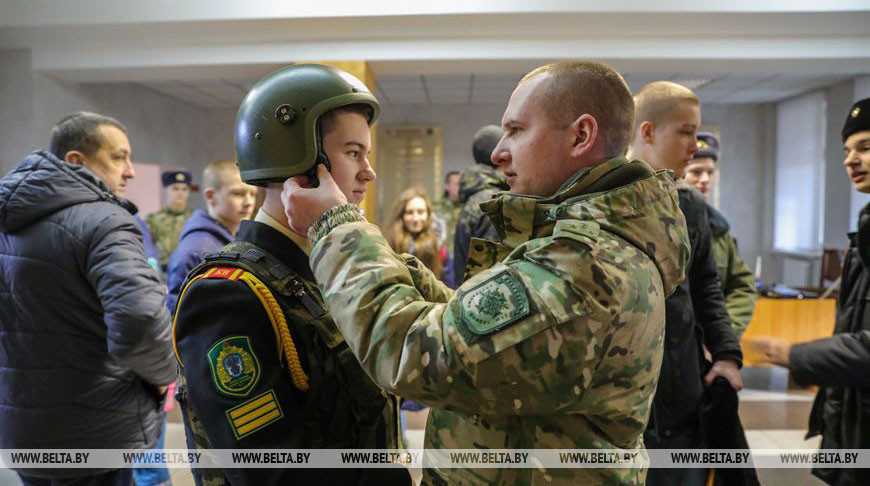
(161, 129)
(745, 137)
(16, 108)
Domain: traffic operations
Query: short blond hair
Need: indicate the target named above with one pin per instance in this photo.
(584, 87)
(218, 173)
(657, 102)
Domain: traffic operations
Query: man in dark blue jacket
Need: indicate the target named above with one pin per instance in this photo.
(229, 202)
(86, 349)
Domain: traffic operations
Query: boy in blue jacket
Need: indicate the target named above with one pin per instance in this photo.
(229, 201)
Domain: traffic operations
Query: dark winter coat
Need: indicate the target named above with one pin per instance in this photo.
(85, 335)
(696, 315)
(840, 364)
(201, 234)
(479, 184)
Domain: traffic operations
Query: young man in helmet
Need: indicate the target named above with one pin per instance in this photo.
(263, 365)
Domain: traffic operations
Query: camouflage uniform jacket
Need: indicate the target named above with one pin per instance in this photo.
(165, 227)
(448, 212)
(557, 345)
(738, 282)
(479, 184)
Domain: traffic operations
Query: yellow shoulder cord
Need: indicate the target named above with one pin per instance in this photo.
(279, 325)
(276, 318)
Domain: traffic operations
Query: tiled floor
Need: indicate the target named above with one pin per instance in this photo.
(772, 419)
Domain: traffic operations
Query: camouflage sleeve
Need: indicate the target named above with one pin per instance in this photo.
(739, 289)
(153, 228)
(430, 287)
(443, 354)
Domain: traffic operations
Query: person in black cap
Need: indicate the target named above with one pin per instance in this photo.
(165, 225)
(838, 365)
(478, 184)
(738, 282)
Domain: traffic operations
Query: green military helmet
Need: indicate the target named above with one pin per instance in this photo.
(276, 128)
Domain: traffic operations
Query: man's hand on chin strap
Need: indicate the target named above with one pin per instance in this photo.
(304, 205)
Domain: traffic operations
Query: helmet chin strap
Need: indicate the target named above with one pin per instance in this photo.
(321, 159)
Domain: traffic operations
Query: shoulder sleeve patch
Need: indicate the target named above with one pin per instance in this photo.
(493, 304)
(255, 414)
(235, 369)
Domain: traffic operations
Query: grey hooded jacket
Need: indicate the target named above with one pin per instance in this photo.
(84, 334)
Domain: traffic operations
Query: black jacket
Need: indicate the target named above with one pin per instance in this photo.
(721, 429)
(841, 365)
(479, 184)
(695, 315)
(85, 335)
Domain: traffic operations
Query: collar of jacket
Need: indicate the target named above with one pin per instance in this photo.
(519, 218)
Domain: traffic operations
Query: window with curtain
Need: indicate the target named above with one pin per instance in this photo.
(800, 178)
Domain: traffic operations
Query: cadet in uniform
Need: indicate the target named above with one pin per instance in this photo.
(166, 225)
(557, 342)
(838, 365)
(738, 282)
(262, 363)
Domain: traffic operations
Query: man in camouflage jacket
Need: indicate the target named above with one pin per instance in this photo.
(165, 225)
(446, 210)
(558, 343)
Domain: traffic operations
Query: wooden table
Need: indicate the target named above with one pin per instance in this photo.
(794, 320)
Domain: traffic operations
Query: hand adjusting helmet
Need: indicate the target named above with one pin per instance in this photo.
(277, 129)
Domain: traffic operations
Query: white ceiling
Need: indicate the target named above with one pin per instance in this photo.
(448, 52)
(452, 89)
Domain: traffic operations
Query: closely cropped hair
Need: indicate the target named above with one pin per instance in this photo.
(585, 87)
(80, 131)
(217, 173)
(327, 120)
(425, 244)
(657, 101)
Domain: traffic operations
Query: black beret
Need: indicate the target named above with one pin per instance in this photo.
(172, 176)
(708, 146)
(858, 119)
(484, 143)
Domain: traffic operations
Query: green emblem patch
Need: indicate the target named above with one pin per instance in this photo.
(234, 366)
(494, 303)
